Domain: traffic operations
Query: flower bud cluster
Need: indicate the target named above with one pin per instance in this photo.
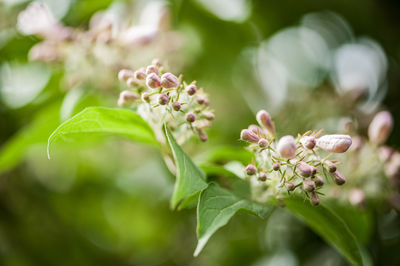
(161, 97)
(292, 164)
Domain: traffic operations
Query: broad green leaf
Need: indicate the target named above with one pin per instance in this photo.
(190, 180)
(101, 120)
(329, 226)
(216, 207)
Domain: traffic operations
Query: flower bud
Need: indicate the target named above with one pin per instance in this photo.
(315, 198)
(156, 62)
(209, 116)
(125, 74)
(276, 166)
(308, 185)
(163, 99)
(263, 143)
(152, 69)
(308, 142)
(191, 89)
(319, 181)
(250, 169)
(190, 117)
(338, 178)
(132, 82)
(392, 167)
(334, 143)
(176, 106)
(169, 80)
(305, 169)
(331, 167)
(262, 176)
(380, 127)
(248, 136)
(126, 98)
(264, 119)
(201, 99)
(290, 186)
(153, 81)
(357, 143)
(385, 153)
(256, 130)
(356, 196)
(287, 147)
(202, 135)
(146, 97)
(140, 74)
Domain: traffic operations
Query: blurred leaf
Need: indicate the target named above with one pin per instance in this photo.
(216, 207)
(329, 226)
(100, 120)
(225, 154)
(190, 180)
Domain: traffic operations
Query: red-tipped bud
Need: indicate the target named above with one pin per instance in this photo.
(127, 98)
(276, 166)
(190, 117)
(209, 116)
(163, 99)
(152, 69)
(308, 185)
(176, 106)
(125, 74)
(153, 81)
(334, 143)
(250, 169)
(308, 142)
(315, 198)
(140, 74)
(263, 143)
(380, 127)
(338, 178)
(202, 135)
(169, 80)
(248, 136)
(319, 181)
(264, 119)
(331, 167)
(191, 89)
(290, 186)
(305, 169)
(287, 147)
(262, 176)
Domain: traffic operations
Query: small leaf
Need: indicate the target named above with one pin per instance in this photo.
(100, 120)
(216, 207)
(190, 180)
(329, 226)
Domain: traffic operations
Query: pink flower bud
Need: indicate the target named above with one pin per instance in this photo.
(263, 143)
(250, 169)
(256, 130)
(319, 181)
(392, 168)
(262, 176)
(126, 98)
(334, 143)
(357, 143)
(290, 186)
(338, 178)
(190, 117)
(169, 80)
(156, 62)
(132, 82)
(248, 136)
(287, 147)
(315, 198)
(380, 127)
(176, 106)
(140, 74)
(308, 142)
(152, 69)
(264, 119)
(385, 153)
(209, 116)
(305, 169)
(202, 100)
(276, 166)
(163, 99)
(153, 81)
(125, 74)
(191, 89)
(202, 135)
(356, 196)
(331, 167)
(146, 97)
(308, 185)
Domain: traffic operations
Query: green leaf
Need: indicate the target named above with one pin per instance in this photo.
(329, 226)
(101, 120)
(190, 180)
(216, 207)
(224, 154)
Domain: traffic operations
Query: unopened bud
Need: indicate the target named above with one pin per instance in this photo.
(392, 167)
(126, 98)
(385, 153)
(338, 178)
(176, 106)
(287, 147)
(380, 127)
(264, 119)
(202, 135)
(191, 117)
(334, 143)
(125, 74)
(152, 69)
(308, 142)
(263, 143)
(169, 80)
(276, 166)
(256, 130)
(357, 143)
(262, 176)
(163, 99)
(209, 116)
(156, 62)
(153, 81)
(305, 169)
(250, 169)
(315, 198)
(202, 100)
(191, 89)
(290, 186)
(140, 74)
(131, 82)
(319, 181)
(331, 167)
(308, 185)
(356, 196)
(248, 136)
(146, 97)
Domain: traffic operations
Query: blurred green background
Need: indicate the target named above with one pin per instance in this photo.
(105, 201)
